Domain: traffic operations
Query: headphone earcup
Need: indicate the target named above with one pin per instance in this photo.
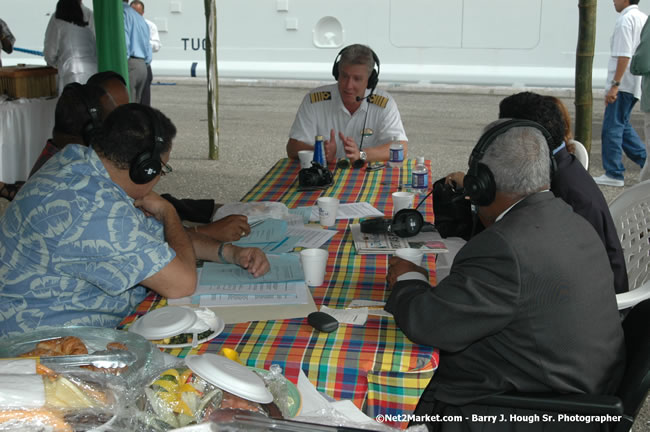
(89, 131)
(335, 67)
(480, 185)
(144, 168)
(407, 223)
(373, 79)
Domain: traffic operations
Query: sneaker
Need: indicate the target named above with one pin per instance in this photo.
(606, 180)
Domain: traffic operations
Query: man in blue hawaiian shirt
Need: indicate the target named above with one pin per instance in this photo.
(86, 235)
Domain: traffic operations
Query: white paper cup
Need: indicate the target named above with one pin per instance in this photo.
(314, 262)
(305, 156)
(402, 200)
(410, 254)
(327, 209)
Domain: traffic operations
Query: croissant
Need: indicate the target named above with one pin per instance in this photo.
(68, 345)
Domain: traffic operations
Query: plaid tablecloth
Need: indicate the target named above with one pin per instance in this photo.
(375, 365)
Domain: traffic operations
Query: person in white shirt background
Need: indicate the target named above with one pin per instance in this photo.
(69, 43)
(154, 39)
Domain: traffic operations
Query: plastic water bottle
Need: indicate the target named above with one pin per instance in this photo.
(420, 177)
(396, 153)
(319, 151)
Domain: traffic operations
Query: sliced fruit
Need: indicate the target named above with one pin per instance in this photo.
(170, 386)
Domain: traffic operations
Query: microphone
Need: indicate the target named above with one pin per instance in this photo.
(359, 99)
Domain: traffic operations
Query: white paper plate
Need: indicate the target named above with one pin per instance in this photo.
(203, 319)
(165, 322)
(230, 376)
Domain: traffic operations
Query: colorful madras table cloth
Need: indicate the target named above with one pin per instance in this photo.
(374, 365)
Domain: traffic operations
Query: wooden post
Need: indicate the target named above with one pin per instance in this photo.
(213, 77)
(584, 66)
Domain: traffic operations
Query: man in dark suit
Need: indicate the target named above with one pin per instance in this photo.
(528, 303)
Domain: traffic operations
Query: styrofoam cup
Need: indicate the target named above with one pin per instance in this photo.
(402, 200)
(305, 156)
(327, 209)
(314, 262)
(410, 254)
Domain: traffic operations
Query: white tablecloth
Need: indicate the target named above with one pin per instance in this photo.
(25, 126)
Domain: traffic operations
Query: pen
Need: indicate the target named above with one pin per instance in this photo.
(369, 307)
(254, 224)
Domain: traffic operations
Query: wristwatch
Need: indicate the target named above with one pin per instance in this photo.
(615, 83)
(363, 156)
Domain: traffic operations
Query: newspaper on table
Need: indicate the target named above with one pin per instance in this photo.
(387, 243)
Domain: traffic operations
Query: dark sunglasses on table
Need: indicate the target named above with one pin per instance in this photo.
(165, 169)
(372, 166)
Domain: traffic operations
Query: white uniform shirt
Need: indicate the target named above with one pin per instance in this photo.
(154, 37)
(623, 43)
(322, 110)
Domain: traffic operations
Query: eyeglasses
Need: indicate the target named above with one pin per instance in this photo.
(165, 169)
(345, 163)
(370, 166)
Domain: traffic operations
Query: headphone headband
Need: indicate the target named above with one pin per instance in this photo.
(479, 182)
(373, 79)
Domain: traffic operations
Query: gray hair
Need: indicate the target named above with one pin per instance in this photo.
(357, 54)
(519, 160)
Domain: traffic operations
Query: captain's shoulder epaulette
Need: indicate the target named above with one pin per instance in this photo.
(380, 101)
(320, 96)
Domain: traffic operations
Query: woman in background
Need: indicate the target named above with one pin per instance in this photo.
(70, 44)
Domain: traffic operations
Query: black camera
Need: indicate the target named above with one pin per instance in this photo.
(315, 177)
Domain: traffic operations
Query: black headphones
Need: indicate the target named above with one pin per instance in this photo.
(374, 76)
(479, 182)
(95, 123)
(147, 165)
(405, 223)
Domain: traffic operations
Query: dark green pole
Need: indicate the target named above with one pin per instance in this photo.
(109, 31)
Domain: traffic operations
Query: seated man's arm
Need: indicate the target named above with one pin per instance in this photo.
(294, 146)
(477, 299)
(252, 259)
(178, 278)
(374, 154)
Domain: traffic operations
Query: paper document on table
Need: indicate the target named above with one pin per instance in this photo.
(374, 307)
(303, 212)
(268, 231)
(280, 293)
(284, 268)
(347, 316)
(286, 245)
(311, 237)
(350, 211)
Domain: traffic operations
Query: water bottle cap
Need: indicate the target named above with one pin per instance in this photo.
(420, 159)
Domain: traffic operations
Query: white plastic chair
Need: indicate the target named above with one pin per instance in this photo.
(631, 213)
(581, 153)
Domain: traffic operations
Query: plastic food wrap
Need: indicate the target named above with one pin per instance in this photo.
(71, 341)
(75, 401)
(177, 397)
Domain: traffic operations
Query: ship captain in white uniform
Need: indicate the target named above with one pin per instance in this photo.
(357, 121)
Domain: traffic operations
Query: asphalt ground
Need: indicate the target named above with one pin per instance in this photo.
(442, 123)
